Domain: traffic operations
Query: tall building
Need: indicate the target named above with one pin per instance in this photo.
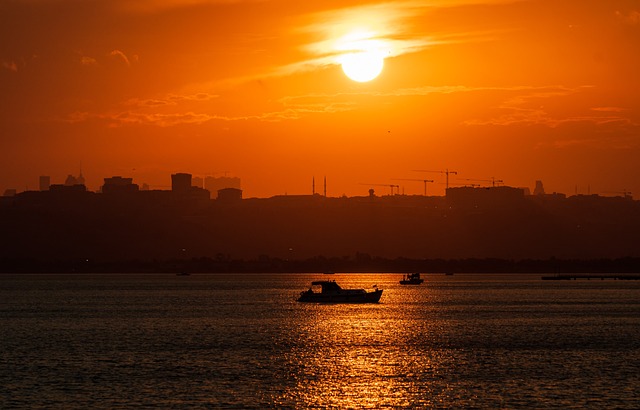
(45, 182)
(181, 182)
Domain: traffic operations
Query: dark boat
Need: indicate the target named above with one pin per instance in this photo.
(331, 292)
(411, 279)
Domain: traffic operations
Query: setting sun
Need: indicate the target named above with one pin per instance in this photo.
(361, 54)
(275, 95)
(362, 66)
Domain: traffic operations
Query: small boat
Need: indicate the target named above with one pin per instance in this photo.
(331, 292)
(411, 279)
(182, 274)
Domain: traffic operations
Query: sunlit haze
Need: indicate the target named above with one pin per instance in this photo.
(278, 92)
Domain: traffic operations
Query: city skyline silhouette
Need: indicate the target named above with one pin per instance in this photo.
(176, 174)
(533, 90)
(123, 222)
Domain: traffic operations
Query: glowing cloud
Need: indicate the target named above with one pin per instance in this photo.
(383, 28)
(631, 17)
(10, 65)
(368, 28)
(121, 55)
(88, 61)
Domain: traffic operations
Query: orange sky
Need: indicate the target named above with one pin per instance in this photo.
(516, 90)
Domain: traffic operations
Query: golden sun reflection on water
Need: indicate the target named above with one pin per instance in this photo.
(467, 341)
(365, 356)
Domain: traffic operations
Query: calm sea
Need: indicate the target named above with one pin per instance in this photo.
(242, 341)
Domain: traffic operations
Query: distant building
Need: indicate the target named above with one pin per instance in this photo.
(180, 182)
(118, 185)
(229, 195)
(57, 197)
(197, 182)
(539, 189)
(10, 192)
(45, 182)
(71, 180)
(182, 189)
(214, 184)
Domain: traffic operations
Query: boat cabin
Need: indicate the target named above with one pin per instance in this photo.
(327, 285)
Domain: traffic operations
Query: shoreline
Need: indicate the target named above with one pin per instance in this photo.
(620, 266)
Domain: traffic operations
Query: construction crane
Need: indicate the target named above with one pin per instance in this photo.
(446, 172)
(391, 186)
(492, 180)
(414, 179)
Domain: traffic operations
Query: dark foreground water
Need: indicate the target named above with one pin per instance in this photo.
(215, 341)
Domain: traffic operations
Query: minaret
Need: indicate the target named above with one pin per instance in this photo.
(313, 185)
(325, 186)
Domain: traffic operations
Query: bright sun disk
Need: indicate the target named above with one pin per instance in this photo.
(362, 66)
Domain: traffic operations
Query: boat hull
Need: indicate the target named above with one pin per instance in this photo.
(315, 297)
(411, 282)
